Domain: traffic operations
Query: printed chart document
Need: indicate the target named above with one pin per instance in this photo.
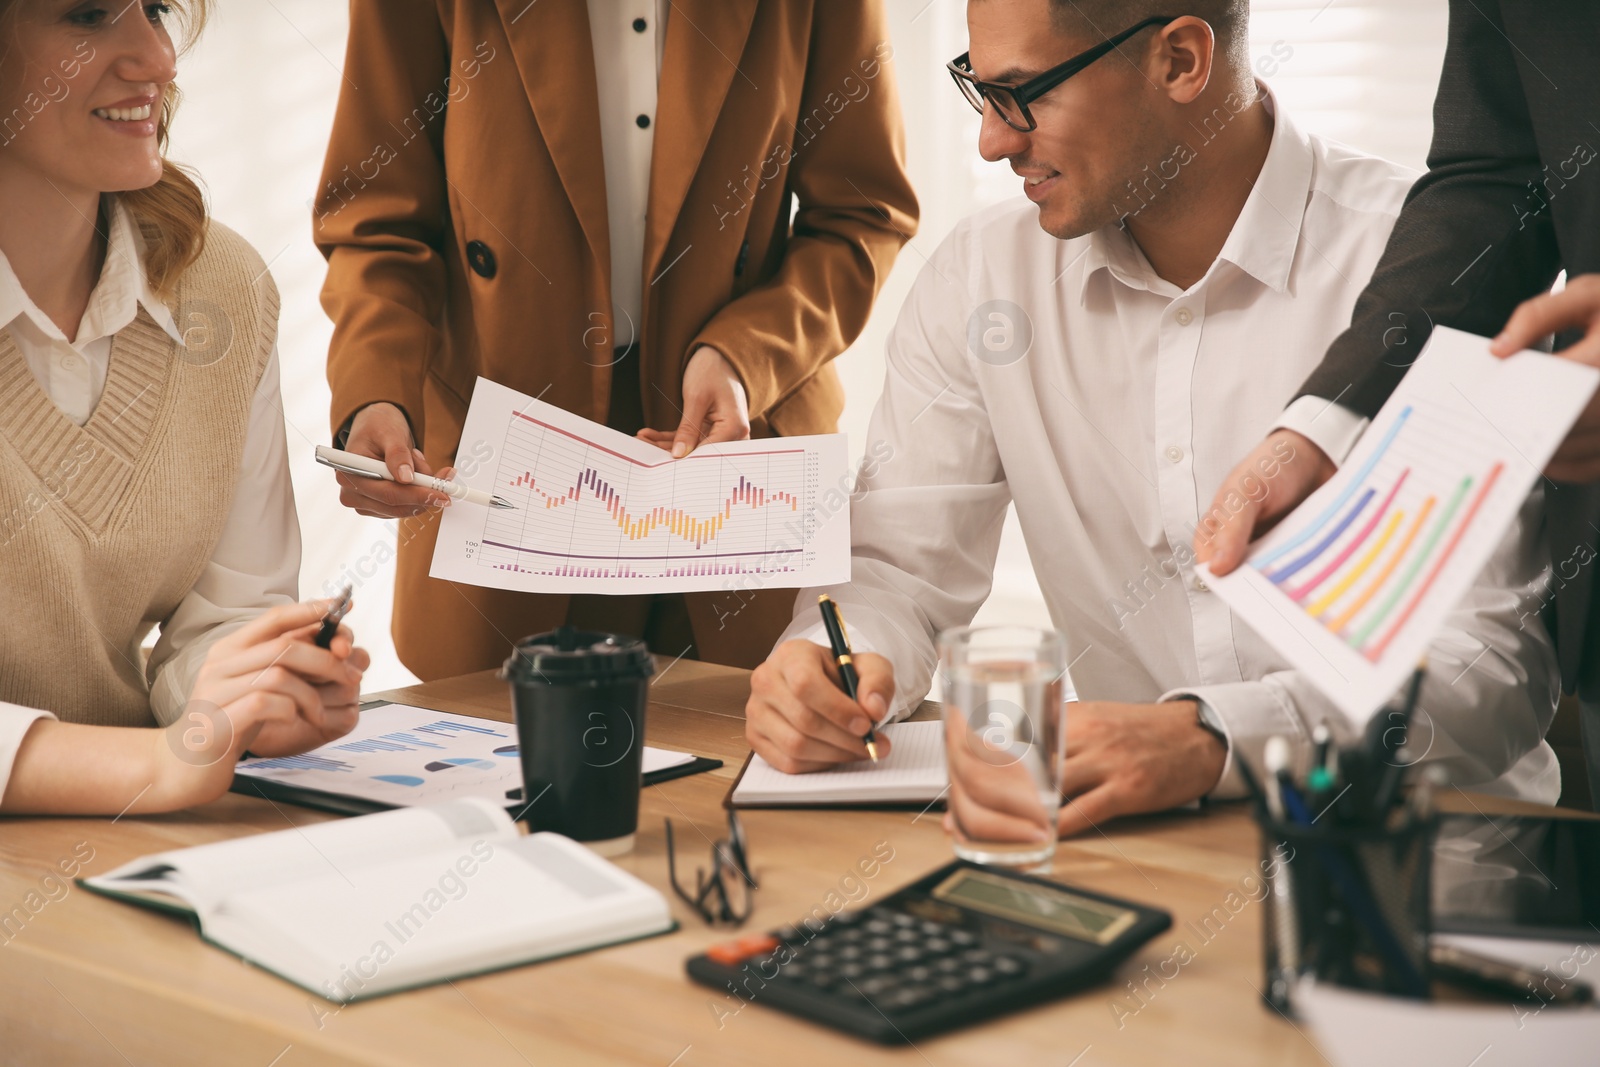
(913, 773)
(355, 908)
(598, 511)
(1352, 586)
(399, 756)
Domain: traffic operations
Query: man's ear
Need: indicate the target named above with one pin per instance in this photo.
(1185, 53)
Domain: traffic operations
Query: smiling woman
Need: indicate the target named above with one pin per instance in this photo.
(143, 476)
(52, 45)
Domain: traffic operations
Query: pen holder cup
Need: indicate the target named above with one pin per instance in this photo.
(1348, 905)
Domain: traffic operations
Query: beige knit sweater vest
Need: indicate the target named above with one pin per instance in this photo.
(104, 528)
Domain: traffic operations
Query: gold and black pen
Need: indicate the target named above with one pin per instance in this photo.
(833, 622)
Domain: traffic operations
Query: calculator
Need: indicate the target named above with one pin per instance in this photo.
(963, 944)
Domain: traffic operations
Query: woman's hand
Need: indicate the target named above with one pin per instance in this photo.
(266, 689)
(715, 407)
(381, 431)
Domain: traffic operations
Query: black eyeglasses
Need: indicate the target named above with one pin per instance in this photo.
(715, 897)
(1011, 101)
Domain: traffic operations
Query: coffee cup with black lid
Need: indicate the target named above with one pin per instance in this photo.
(579, 697)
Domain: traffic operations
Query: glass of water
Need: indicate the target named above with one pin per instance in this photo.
(1005, 694)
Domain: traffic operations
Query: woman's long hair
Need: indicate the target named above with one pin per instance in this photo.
(171, 213)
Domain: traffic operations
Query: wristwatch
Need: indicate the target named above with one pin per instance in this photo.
(1211, 722)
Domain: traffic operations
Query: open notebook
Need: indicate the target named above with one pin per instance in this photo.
(363, 906)
(912, 773)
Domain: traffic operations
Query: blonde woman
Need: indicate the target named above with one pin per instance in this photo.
(143, 474)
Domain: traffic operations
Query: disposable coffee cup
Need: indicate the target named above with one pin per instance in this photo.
(579, 698)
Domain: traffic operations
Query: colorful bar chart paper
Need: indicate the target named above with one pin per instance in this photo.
(1354, 584)
(601, 512)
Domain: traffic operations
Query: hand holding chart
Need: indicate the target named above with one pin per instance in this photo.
(597, 511)
(1352, 586)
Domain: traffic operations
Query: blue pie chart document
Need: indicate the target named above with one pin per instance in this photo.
(401, 756)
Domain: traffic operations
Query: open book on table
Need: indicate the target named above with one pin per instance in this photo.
(363, 906)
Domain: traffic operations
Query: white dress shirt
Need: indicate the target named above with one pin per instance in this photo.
(1110, 414)
(256, 564)
(627, 63)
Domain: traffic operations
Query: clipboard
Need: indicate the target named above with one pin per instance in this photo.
(340, 803)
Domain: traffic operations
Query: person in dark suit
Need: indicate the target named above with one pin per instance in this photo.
(1510, 200)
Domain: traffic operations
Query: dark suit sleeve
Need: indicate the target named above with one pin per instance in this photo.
(1473, 240)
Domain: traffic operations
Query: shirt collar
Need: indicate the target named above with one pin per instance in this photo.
(1265, 236)
(123, 287)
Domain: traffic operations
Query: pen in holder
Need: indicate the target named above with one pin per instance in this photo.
(1347, 864)
(1348, 905)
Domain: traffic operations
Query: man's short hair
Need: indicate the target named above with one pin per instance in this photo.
(1100, 19)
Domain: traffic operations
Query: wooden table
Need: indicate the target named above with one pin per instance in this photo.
(86, 980)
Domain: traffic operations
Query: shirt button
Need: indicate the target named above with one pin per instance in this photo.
(1200, 584)
(639, 25)
(481, 259)
(1184, 316)
(1175, 453)
(643, 122)
(70, 362)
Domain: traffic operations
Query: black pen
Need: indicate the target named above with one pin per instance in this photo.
(336, 613)
(1486, 974)
(1389, 754)
(833, 622)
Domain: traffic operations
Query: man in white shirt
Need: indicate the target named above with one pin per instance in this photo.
(1100, 362)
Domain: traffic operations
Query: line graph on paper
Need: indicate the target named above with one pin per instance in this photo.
(598, 511)
(1353, 586)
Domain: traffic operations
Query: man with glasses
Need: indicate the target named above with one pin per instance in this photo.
(1099, 358)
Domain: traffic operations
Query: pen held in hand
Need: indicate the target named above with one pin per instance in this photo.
(337, 610)
(833, 622)
(367, 467)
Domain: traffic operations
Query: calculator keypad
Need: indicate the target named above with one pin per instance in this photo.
(916, 964)
(890, 958)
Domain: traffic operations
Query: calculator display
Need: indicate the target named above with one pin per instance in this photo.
(1039, 906)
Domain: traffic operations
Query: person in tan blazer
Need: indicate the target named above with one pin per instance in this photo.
(464, 217)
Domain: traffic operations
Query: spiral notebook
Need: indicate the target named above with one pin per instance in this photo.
(912, 773)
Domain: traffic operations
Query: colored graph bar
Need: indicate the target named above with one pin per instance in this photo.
(1355, 542)
(1414, 568)
(1328, 599)
(1376, 651)
(1360, 477)
(1350, 612)
(624, 559)
(306, 762)
(1322, 546)
(451, 729)
(698, 532)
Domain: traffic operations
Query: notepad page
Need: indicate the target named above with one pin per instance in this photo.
(427, 916)
(913, 770)
(207, 874)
